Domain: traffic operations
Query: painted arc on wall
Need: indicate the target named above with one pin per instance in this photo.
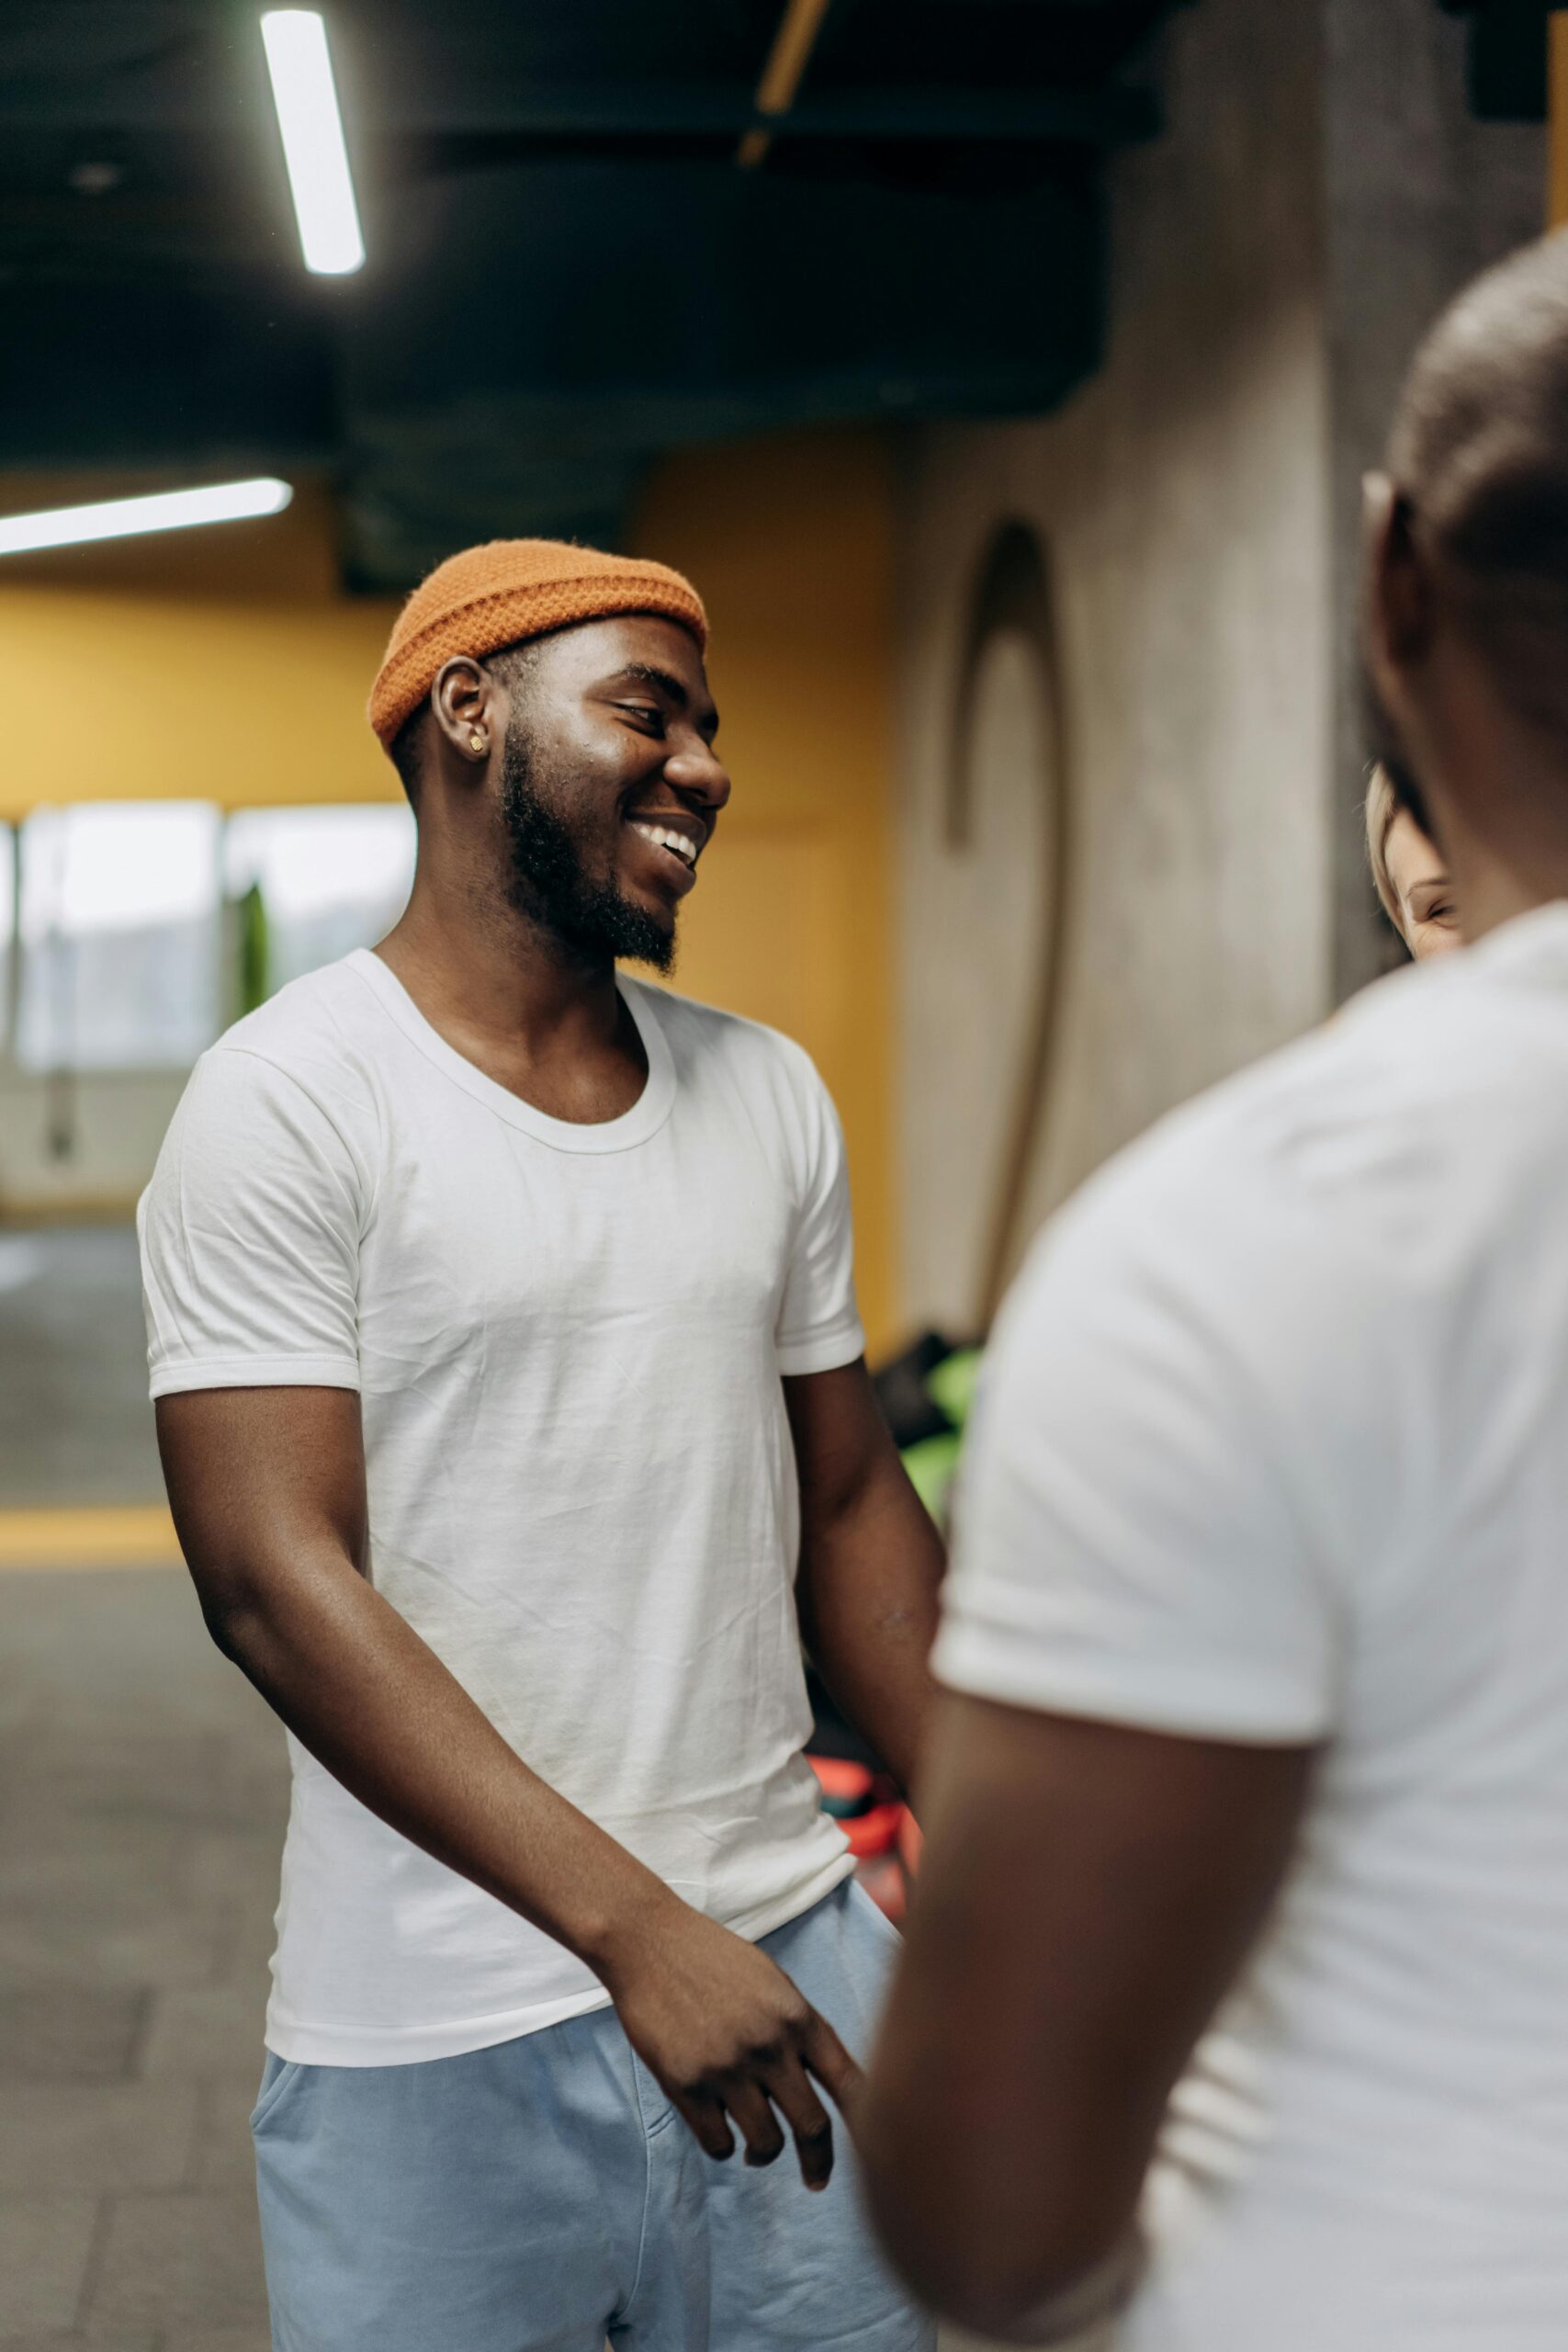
(991, 923)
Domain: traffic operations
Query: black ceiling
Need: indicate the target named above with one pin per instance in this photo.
(1507, 57)
(567, 269)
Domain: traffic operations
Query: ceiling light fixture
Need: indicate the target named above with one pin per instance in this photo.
(124, 518)
(306, 98)
(94, 179)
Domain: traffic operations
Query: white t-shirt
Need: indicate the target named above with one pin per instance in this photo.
(567, 1343)
(1273, 1447)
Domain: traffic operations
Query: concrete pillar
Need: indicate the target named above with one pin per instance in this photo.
(1320, 190)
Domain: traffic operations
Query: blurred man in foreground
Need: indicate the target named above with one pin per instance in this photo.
(511, 1396)
(1258, 1637)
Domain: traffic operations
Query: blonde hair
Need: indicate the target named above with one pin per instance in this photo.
(1383, 807)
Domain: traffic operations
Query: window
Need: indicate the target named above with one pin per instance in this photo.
(146, 927)
(309, 883)
(121, 935)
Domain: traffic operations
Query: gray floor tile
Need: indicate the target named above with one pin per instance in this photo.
(143, 1790)
(68, 2033)
(83, 2141)
(138, 2340)
(191, 2261)
(241, 1865)
(222, 2339)
(106, 1651)
(45, 2246)
(223, 2158)
(121, 1774)
(47, 1852)
(75, 1425)
(254, 1775)
(209, 2029)
(76, 1933)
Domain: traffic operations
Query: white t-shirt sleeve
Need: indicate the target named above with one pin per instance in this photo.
(250, 1237)
(818, 1325)
(1133, 1544)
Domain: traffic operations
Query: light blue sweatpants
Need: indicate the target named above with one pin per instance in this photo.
(543, 2195)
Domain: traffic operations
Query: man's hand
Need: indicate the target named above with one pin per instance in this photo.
(729, 2039)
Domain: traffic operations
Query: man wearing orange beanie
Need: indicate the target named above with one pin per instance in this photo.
(510, 1392)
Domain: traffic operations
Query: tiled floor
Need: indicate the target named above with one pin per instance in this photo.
(76, 1426)
(142, 1795)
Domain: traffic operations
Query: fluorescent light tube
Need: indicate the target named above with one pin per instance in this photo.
(306, 99)
(123, 518)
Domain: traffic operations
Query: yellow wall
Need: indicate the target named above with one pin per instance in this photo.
(790, 541)
(215, 664)
(224, 665)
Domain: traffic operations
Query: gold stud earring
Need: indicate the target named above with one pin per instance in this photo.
(476, 740)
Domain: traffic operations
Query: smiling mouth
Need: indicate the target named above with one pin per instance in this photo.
(678, 846)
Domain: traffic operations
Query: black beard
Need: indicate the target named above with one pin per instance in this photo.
(1383, 740)
(549, 884)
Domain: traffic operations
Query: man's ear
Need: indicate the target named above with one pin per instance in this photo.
(1400, 604)
(467, 702)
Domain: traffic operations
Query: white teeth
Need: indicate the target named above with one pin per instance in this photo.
(662, 838)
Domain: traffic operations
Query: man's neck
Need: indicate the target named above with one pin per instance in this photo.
(1491, 899)
(474, 962)
(546, 1022)
(1506, 855)
(1498, 794)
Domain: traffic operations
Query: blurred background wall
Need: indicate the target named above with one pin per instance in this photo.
(1164, 873)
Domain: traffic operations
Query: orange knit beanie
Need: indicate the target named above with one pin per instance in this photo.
(508, 590)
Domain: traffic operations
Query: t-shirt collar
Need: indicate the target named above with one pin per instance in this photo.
(635, 1127)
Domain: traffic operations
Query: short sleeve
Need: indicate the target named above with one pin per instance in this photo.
(818, 1325)
(250, 1237)
(1131, 1544)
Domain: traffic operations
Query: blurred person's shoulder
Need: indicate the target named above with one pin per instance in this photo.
(1419, 1119)
(1439, 1088)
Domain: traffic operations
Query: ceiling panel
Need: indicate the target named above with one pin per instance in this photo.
(567, 269)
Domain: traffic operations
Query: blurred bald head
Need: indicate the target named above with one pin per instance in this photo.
(1467, 576)
(1480, 452)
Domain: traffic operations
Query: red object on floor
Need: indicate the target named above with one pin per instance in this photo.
(846, 1785)
(880, 1827)
(876, 1832)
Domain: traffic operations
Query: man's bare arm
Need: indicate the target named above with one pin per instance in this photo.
(268, 1493)
(871, 1562)
(1087, 1895)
